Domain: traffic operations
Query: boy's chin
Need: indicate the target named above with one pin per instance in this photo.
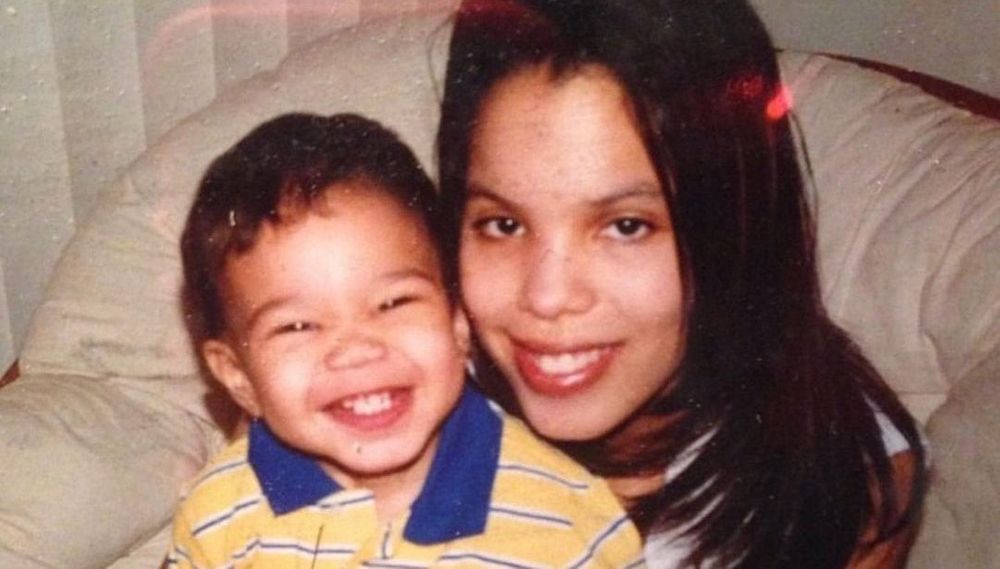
(379, 463)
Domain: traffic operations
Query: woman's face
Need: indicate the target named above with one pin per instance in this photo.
(568, 261)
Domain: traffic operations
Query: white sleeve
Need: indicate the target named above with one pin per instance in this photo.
(892, 439)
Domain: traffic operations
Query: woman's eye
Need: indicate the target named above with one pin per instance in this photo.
(499, 227)
(396, 302)
(628, 228)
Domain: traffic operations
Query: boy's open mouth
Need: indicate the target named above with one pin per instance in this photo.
(369, 403)
(373, 409)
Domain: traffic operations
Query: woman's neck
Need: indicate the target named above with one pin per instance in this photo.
(630, 489)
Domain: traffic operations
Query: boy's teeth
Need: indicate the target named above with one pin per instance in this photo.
(563, 364)
(369, 404)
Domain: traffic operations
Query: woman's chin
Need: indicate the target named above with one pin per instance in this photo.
(560, 425)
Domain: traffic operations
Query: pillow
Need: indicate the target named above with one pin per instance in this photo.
(91, 468)
(908, 221)
(959, 527)
(908, 214)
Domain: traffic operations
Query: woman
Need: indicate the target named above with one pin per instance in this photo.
(636, 257)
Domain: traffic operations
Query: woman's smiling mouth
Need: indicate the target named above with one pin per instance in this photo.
(562, 371)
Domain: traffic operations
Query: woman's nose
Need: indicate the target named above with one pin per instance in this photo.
(556, 284)
(350, 351)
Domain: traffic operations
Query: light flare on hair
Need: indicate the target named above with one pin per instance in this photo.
(780, 104)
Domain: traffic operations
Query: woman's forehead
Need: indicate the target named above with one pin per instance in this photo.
(574, 136)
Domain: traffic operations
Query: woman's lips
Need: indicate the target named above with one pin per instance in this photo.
(372, 410)
(562, 371)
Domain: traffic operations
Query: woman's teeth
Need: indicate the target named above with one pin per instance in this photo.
(369, 403)
(564, 364)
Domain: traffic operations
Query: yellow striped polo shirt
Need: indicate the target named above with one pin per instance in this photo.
(495, 496)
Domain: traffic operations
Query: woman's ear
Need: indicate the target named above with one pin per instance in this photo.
(228, 370)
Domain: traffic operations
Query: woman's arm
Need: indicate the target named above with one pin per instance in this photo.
(893, 552)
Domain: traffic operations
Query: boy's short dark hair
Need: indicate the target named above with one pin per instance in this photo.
(276, 172)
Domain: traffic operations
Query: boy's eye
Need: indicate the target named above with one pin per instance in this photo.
(293, 327)
(627, 228)
(499, 226)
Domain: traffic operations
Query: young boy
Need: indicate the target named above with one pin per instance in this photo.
(311, 259)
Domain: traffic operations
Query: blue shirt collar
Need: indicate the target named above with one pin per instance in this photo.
(454, 501)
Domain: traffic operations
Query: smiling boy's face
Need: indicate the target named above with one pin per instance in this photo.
(340, 335)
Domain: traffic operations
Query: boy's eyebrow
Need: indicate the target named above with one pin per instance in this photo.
(263, 309)
(392, 276)
(408, 273)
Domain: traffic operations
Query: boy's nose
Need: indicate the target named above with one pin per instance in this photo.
(354, 351)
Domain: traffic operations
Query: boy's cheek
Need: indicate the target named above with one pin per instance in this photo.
(436, 347)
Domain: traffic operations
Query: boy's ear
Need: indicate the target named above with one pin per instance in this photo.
(225, 365)
(460, 325)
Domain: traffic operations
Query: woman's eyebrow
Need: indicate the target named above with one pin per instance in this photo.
(475, 190)
(640, 190)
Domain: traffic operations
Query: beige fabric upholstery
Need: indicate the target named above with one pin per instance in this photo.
(109, 419)
(907, 208)
(907, 196)
(960, 521)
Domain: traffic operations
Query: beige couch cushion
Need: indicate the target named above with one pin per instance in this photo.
(90, 468)
(907, 208)
(111, 401)
(960, 522)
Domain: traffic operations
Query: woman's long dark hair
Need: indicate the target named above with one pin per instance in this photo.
(781, 396)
